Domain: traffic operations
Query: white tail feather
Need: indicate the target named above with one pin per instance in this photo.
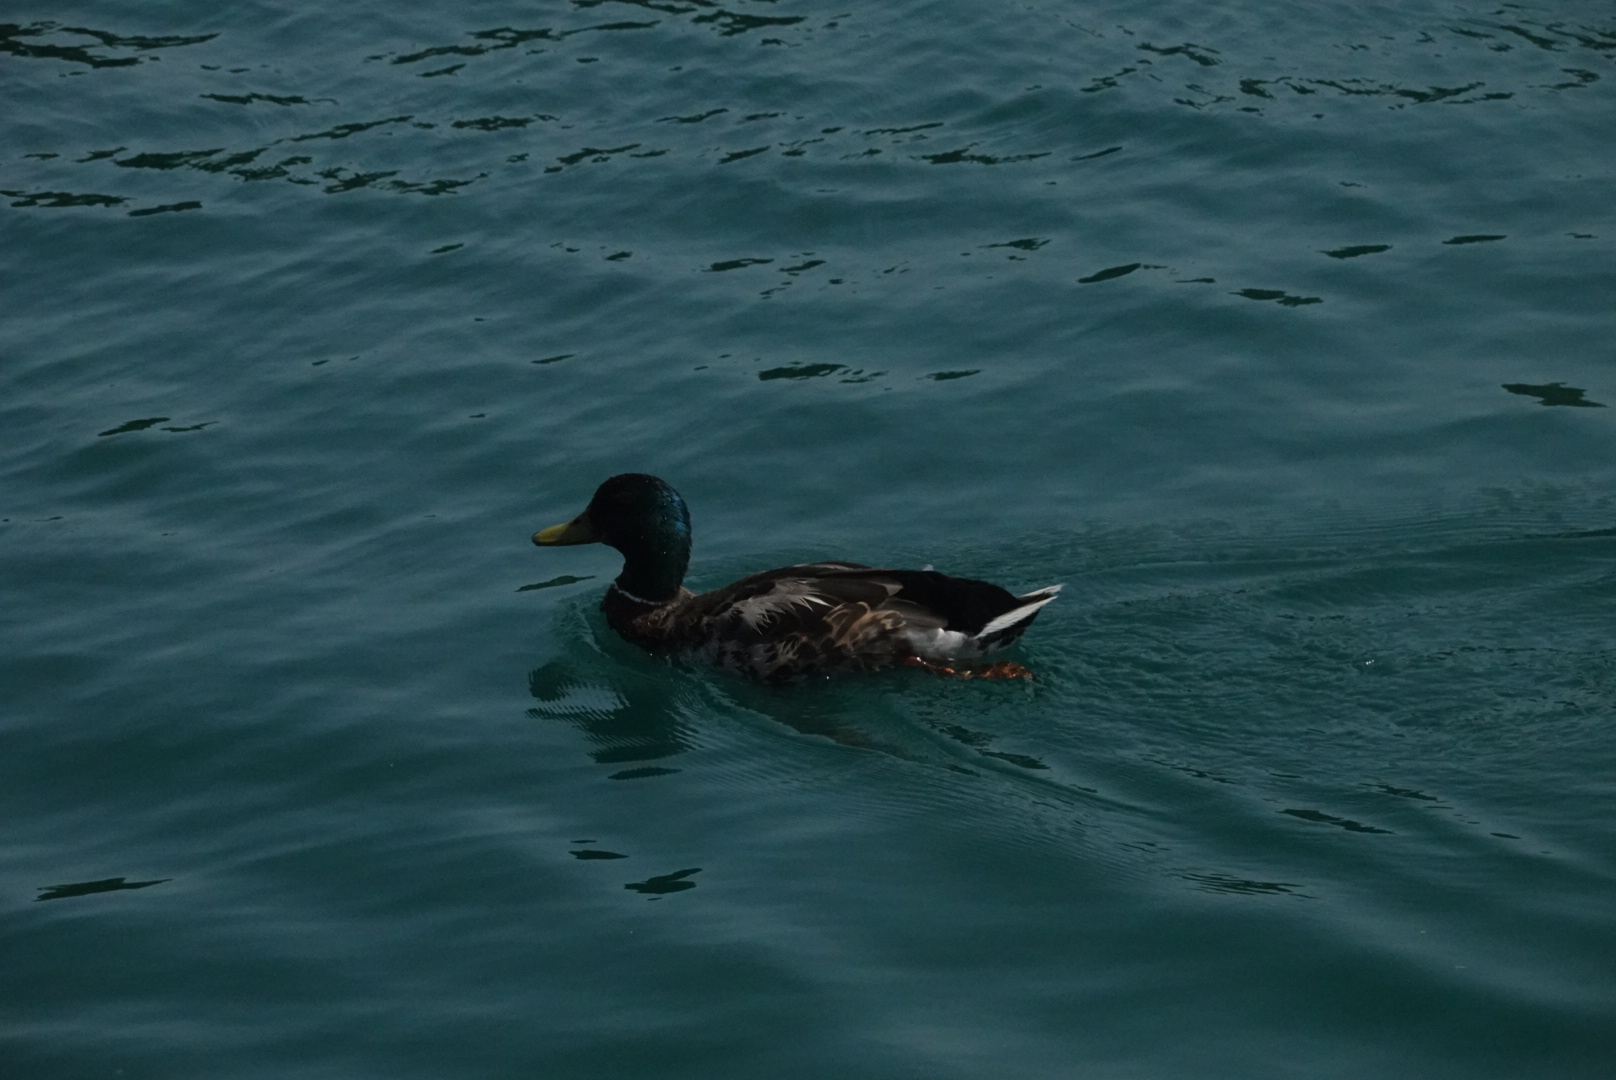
(1034, 600)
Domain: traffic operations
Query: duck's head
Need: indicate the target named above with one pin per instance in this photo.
(645, 519)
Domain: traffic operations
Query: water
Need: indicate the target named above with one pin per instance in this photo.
(1263, 327)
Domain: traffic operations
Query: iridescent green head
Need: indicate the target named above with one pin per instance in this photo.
(646, 520)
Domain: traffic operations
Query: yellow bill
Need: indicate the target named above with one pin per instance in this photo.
(580, 530)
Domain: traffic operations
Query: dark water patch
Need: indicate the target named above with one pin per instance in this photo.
(1031, 243)
(1208, 98)
(1098, 154)
(344, 131)
(800, 267)
(237, 165)
(192, 427)
(1580, 78)
(693, 118)
(663, 884)
(273, 99)
(1543, 42)
(1357, 250)
(1199, 53)
(133, 425)
(1367, 88)
(976, 740)
(1588, 37)
(727, 23)
(735, 264)
(1340, 822)
(596, 853)
(343, 180)
(484, 41)
(1548, 37)
(1580, 534)
(500, 123)
(79, 52)
(556, 359)
(641, 774)
(819, 370)
(169, 208)
(213, 164)
(1554, 393)
(1025, 761)
(640, 746)
(1408, 793)
(1278, 296)
(1229, 883)
(613, 26)
(801, 371)
(731, 23)
(445, 249)
(739, 155)
(443, 186)
(1107, 82)
(277, 171)
(86, 888)
(899, 130)
(1191, 770)
(945, 376)
(1427, 96)
(964, 154)
(176, 160)
(59, 199)
(555, 582)
(619, 256)
(1478, 238)
(1110, 272)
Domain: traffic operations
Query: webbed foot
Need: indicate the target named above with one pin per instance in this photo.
(1002, 669)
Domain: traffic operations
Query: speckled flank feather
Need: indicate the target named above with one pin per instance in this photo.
(821, 618)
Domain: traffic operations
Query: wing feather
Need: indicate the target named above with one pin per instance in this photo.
(822, 616)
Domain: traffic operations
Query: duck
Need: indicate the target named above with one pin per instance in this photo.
(811, 619)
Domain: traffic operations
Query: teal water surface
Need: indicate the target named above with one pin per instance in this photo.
(1281, 332)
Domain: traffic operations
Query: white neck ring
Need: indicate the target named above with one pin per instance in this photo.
(630, 596)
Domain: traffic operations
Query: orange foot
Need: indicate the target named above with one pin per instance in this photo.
(1003, 669)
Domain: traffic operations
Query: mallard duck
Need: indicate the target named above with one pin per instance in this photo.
(815, 618)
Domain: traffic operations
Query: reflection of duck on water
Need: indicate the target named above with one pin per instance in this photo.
(797, 620)
(633, 719)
